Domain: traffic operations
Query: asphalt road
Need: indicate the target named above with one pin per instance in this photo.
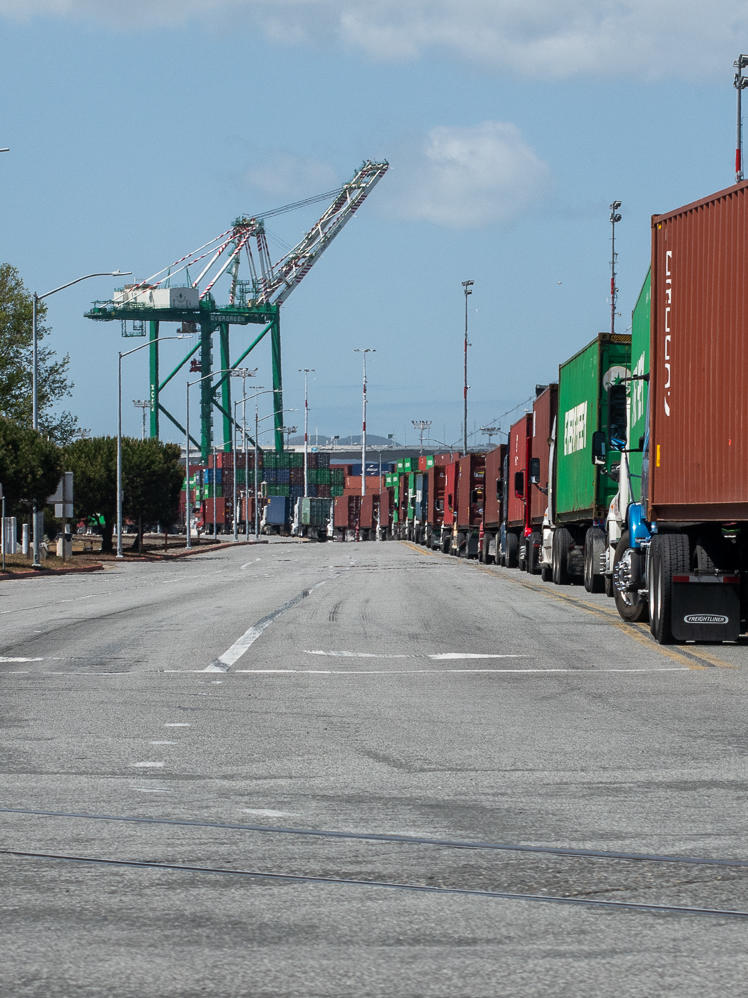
(362, 770)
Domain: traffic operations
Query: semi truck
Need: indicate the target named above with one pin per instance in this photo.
(683, 554)
(592, 393)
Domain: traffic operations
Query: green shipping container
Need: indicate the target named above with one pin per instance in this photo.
(404, 465)
(411, 495)
(640, 335)
(583, 490)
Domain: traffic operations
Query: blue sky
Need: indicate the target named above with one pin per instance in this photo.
(140, 131)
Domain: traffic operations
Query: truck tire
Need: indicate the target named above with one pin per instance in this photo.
(522, 553)
(594, 545)
(546, 572)
(512, 550)
(533, 552)
(561, 545)
(669, 555)
(631, 606)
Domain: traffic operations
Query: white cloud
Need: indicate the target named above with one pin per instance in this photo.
(558, 38)
(467, 177)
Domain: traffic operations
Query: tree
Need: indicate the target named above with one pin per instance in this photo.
(152, 477)
(30, 467)
(16, 346)
(93, 461)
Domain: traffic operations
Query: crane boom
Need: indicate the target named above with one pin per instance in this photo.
(287, 274)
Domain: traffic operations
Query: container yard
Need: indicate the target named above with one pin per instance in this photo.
(626, 476)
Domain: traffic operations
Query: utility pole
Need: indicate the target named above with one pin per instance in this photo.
(614, 217)
(363, 351)
(740, 82)
(306, 371)
(466, 285)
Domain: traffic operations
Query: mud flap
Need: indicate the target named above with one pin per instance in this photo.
(706, 608)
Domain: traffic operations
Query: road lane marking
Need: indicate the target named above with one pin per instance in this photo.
(147, 765)
(232, 655)
(4, 658)
(437, 657)
(445, 672)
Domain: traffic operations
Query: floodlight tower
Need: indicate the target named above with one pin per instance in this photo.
(740, 82)
(614, 218)
(466, 286)
(490, 431)
(422, 425)
(145, 405)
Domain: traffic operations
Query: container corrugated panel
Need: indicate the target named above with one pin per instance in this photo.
(582, 491)
(471, 490)
(520, 442)
(699, 360)
(544, 410)
(385, 508)
(367, 511)
(494, 481)
(436, 479)
(450, 492)
(637, 393)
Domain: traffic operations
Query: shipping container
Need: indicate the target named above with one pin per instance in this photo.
(592, 406)
(471, 489)
(311, 517)
(346, 517)
(435, 481)
(683, 554)
(493, 507)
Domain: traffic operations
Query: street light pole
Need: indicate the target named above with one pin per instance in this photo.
(740, 82)
(466, 285)
(363, 351)
(614, 217)
(306, 371)
(35, 374)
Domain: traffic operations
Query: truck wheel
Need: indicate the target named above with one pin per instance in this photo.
(522, 553)
(512, 551)
(533, 552)
(669, 555)
(630, 605)
(546, 572)
(487, 558)
(594, 545)
(561, 545)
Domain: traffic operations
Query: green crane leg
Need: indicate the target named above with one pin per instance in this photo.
(154, 392)
(226, 387)
(275, 342)
(206, 390)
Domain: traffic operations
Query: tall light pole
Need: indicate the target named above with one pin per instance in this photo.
(243, 401)
(615, 217)
(35, 374)
(363, 351)
(306, 371)
(466, 286)
(121, 355)
(740, 82)
(421, 425)
(145, 405)
(490, 431)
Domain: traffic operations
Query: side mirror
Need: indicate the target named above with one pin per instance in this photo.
(534, 470)
(598, 447)
(519, 484)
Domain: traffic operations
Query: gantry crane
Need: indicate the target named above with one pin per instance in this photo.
(256, 300)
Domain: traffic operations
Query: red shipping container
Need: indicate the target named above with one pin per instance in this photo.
(436, 478)
(450, 492)
(698, 450)
(520, 443)
(471, 489)
(544, 411)
(494, 484)
(347, 511)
